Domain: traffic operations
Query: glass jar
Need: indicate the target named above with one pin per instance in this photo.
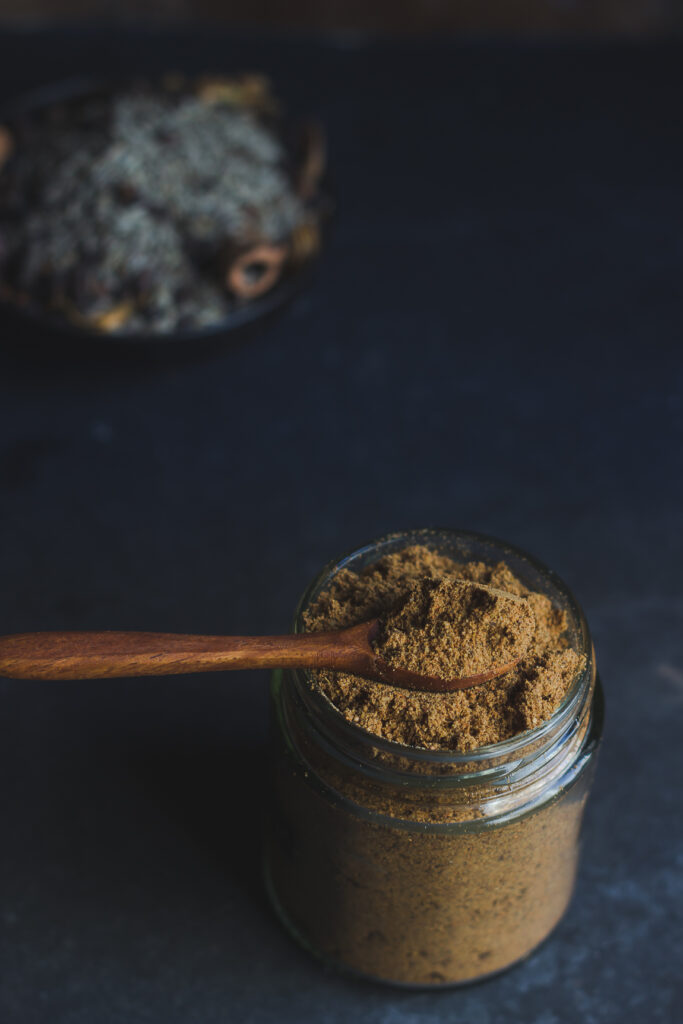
(423, 867)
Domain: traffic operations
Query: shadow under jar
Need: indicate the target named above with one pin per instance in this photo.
(423, 867)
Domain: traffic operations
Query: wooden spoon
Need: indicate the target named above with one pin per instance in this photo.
(84, 655)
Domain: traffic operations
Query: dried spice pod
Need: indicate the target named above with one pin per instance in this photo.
(106, 321)
(313, 160)
(113, 319)
(305, 241)
(6, 145)
(256, 270)
(251, 91)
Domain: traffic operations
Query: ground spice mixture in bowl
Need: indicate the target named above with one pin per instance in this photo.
(156, 210)
(432, 838)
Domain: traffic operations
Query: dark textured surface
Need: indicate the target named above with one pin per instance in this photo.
(494, 342)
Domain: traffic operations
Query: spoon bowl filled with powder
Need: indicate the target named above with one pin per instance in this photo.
(453, 628)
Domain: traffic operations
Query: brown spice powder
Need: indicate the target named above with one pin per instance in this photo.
(453, 628)
(434, 623)
(419, 907)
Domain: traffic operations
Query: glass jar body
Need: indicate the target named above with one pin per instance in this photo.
(419, 868)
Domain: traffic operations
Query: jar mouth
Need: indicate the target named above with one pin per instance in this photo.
(463, 545)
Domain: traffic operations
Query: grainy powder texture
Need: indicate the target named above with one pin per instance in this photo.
(455, 628)
(419, 906)
(430, 627)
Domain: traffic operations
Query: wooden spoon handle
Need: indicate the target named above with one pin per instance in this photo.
(86, 655)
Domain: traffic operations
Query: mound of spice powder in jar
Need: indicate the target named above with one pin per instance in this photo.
(432, 626)
(430, 861)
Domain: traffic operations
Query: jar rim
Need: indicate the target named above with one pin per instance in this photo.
(489, 752)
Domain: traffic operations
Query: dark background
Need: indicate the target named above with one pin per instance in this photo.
(493, 341)
(426, 17)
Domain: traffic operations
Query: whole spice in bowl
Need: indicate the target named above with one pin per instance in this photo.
(154, 208)
(432, 838)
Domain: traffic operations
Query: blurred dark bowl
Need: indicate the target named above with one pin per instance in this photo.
(22, 325)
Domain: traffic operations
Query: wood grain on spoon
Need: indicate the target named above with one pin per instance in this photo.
(92, 655)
